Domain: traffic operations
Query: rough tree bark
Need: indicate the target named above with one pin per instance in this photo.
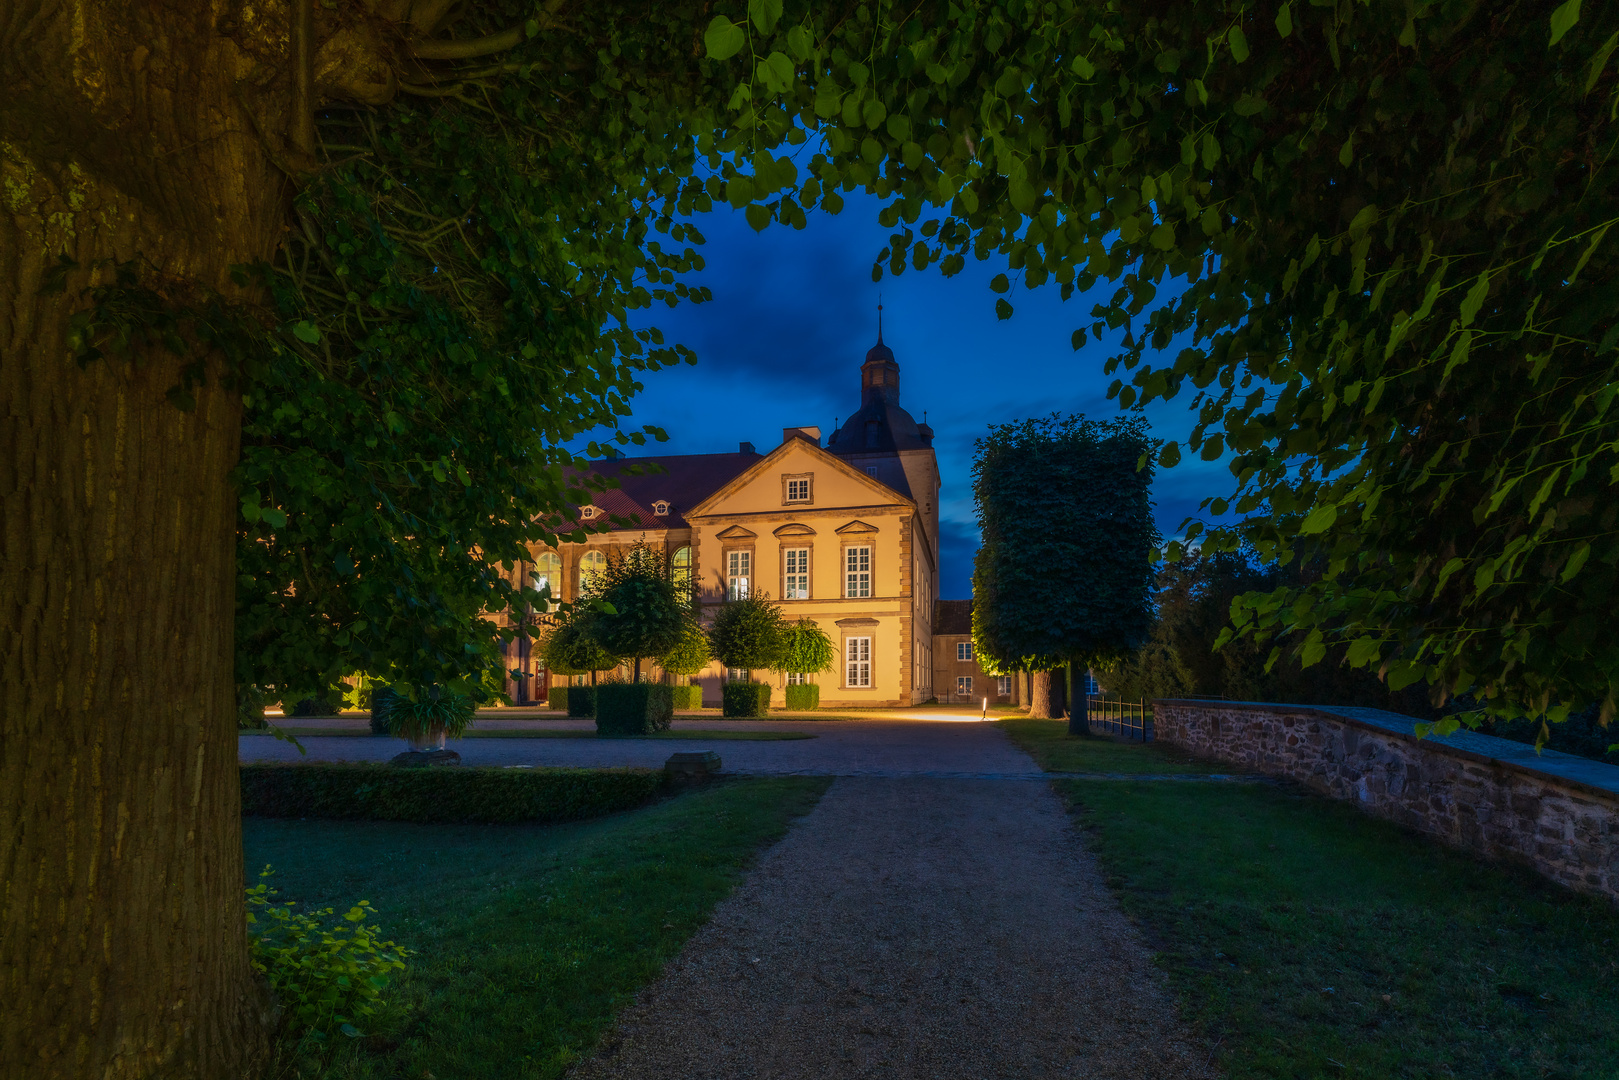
(1040, 695)
(123, 950)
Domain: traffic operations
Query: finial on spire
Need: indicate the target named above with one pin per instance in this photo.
(879, 318)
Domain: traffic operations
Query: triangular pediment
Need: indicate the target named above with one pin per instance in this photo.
(736, 532)
(762, 487)
(856, 527)
(795, 529)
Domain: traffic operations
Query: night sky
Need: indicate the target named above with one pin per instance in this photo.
(793, 314)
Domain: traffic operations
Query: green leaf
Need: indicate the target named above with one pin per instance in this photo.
(1475, 299)
(1563, 19)
(1346, 153)
(1170, 455)
(765, 14)
(305, 331)
(1083, 67)
(1575, 562)
(1314, 651)
(1077, 339)
(1163, 237)
(1284, 21)
(800, 43)
(1239, 44)
(723, 39)
(1408, 34)
(777, 72)
(1444, 575)
(758, 216)
(1319, 520)
(1600, 61)
(1589, 251)
(1211, 150)
(1003, 310)
(276, 519)
(1249, 105)
(999, 283)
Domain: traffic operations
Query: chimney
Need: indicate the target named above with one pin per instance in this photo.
(746, 448)
(809, 434)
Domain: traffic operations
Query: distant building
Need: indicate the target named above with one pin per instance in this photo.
(956, 674)
(846, 534)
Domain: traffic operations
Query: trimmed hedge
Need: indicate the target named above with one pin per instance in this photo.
(304, 708)
(557, 698)
(688, 697)
(450, 796)
(581, 701)
(633, 708)
(742, 699)
(804, 696)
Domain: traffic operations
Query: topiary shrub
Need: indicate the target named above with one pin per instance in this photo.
(581, 701)
(557, 698)
(687, 697)
(633, 708)
(449, 796)
(307, 707)
(742, 699)
(804, 696)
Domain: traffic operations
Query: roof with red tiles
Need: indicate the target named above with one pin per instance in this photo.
(681, 480)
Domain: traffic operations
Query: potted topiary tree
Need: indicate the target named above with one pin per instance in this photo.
(638, 613)
(689, 656)
(748, 634)
(808, 652)
(426, 716)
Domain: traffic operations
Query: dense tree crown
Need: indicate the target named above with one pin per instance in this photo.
(1065, 570)
(749, 634)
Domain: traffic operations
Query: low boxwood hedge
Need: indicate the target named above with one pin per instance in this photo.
(688, 697)
(803, 696)
(633, 708)
(581, 701)
(741, 699)
(557, 698)
(447, 795)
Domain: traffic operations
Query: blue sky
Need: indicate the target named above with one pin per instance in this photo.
(793, 314)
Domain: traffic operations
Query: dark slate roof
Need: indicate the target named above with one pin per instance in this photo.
(953, 617)
(683, 480)
(895, 430)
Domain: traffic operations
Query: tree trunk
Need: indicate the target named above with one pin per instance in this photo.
(123, 950)
(1040, 695)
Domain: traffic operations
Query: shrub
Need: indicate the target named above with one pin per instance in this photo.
(325, 977)
(482, 795)
(305, 708)
(557, 698)
(745, 699)
(382, 699)
(581, 701)
(633, 708)
(749, 633)
(436, 710)
(687, 697)
(804, 696)
(690, 654)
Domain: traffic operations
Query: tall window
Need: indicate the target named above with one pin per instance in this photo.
(680, 568)
(795, 579)
(964, 650)
(857, 651)
(737, 674)
(797, 678)
(738, 572)
(798, 489)
(857, 572)
(964, 685)
(548, 572)
(1003, 686)
(591, 563)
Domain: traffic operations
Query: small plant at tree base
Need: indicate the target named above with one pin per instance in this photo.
(808, 652)
(640, 611)
(749, 633)
(326, 978)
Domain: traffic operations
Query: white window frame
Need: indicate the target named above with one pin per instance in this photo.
(680, 567)
(964, 686)
(1003, 686)
(738, 573)
(660, 508)
(857, 663)
(964, 650)
(598, 564)
(797, 678)
(795, 575)
(737, 674)
(857, 572)
(587, 511)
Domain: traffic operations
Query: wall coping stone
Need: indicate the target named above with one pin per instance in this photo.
(1569, 769)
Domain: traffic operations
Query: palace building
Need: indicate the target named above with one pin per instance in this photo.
(845, 533)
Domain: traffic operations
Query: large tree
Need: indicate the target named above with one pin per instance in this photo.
(404, 218)
(1064, 575)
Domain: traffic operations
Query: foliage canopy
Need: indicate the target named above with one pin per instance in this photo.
(807, 649)
(641, 610)
(749, 633)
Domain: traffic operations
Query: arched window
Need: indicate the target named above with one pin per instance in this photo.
(680, 567)
(591, 563)
(548, 571)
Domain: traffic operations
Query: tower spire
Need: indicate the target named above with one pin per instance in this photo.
(879, 318)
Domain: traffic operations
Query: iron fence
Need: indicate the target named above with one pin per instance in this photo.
(1115, 716)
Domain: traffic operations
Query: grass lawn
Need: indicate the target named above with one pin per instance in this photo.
(1308, 940)
(528, 939)
(553, 733)
(1048, 742)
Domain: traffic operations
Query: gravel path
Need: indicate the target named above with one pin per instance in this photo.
(911, 928)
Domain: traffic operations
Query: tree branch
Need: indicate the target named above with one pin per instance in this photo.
(483, 46)
(302, 134)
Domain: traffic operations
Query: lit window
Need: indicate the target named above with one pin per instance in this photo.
(964, 650)
(680, 567)
(857, 572)
(857, 651)
(738, 570)
(964, 685)
(737, 674)
(795, 579)
(660, 508)
(1003, 686)
(797, 678)
(590, 564)
(548, 574)
(798, 490)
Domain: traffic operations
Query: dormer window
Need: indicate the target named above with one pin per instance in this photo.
(798, 488)
(660, 508)
(588, 512)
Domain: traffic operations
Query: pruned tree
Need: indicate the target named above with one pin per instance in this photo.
(571, 648)
(640, 611)
(1076, 589)
(807, 649)
(690, 654)
(749, 634)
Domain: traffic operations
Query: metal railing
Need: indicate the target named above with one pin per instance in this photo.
(1114, 716)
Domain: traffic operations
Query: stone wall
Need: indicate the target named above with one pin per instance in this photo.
(1557, 812)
